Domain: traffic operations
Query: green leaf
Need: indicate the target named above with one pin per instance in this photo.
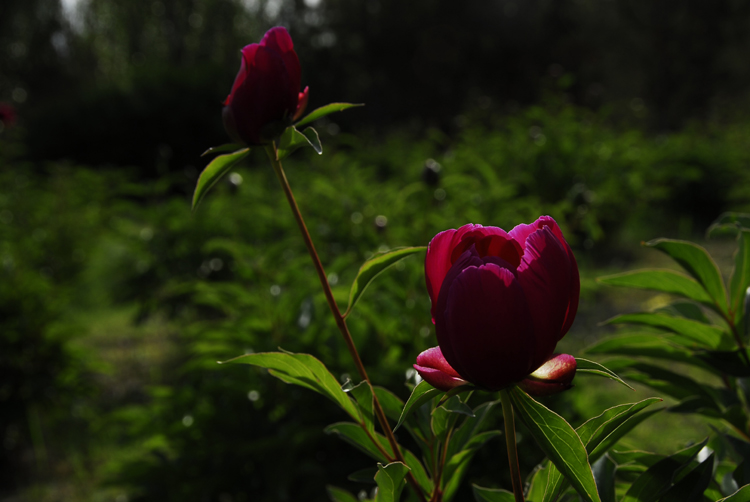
(699, 264)
(492, 494)
(537, 482)
(645, 458)
(740, 279)
(372, 268)
(228, 147)
(214, 171)
(593, 368)
(303, 370)
(358, 437)
(363, 395)
(326, 110)
(442, 421)
(340, 495)
(729, 362)
(604, 474)
(658, 478)
(667, 281)
(390, 403)
(692, 485)
(741, 495)
(418, 471)
(646, 345)
(366, 475)
(292, 139)
(704, 334)
(729, 223)
(686, 309)
(599, 434)
(422, 393)
(470, 427)
(457, 465)
(390, 480)
(558, 441)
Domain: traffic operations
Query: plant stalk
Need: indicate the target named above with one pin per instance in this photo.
(272, 153)
(510, 442)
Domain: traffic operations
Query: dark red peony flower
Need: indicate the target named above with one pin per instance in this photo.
(500, 303)
(265, 97)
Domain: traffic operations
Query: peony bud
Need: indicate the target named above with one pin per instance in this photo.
(265, 97)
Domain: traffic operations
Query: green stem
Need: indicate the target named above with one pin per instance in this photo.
(273, 156)
(510, 442)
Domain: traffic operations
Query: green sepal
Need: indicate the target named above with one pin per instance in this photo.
(292, 139)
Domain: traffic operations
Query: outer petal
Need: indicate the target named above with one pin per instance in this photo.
(555, 375)
(433, 358)
(486, 331)
(278, 39)
(545, 276)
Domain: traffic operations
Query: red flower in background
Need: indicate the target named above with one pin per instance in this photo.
(265, 97)
(7, 114)
(500, 303)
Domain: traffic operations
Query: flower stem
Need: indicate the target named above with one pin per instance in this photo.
(510, 442)
(340, 320)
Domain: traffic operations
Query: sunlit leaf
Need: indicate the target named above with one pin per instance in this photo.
(390, 480)
(372, 268)
(698, 263)
(492, 494)
(686, 309)
(326, 110)
(558, 441)
(593, 368)
(213, 173)
(667, 281)
(422, 393)
(228, 147)
(703, 334)
(304, 370)
(292, 139)
(646, 345)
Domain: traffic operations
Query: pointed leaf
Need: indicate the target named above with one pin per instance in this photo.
(372, 268)
(692, 485)
(492, 494)
(228, 147)
(703, 334)
(537, 482)
(422, 393)
(291, 139)
(686, 309)
(741, 495)
(390, 480)
(558, 441)
(363, 395)
(646, 345)
(593, 368)
(699, 264)
(213, 173)
(418, 471)
(470, 427)
(340, 495)
(457, 465)
(303, 370)
(659, 477)
(326, 110)
(359, 438)
(667, 281)
(391, 403)
(740, 279)
(604, 474)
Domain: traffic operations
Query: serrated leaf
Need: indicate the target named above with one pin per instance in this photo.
(658, 478)
(304, 370)
(699, 264)
(593, 368)
(292, 139)
(213, 173)
(492, 494)
(558, 441)
(667, 281)
(372, 268)
(326, 110)
(422, 393)
(741, 495)
(340, 495)
(740, 279)
(390, 480)
(356, 436)
(228, 147)
(703, 334)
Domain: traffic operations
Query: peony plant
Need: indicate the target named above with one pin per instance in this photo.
(500, 302)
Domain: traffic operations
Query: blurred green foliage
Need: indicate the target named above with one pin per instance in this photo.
(153, 415)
